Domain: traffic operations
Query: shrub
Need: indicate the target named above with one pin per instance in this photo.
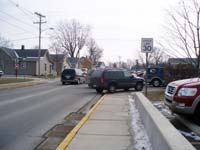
(180, 71)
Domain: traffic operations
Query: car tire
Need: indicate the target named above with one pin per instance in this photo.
(196, 116)
(63, 83)
(99, 91)
(139, 86)
(111, 88)
(78, 82)
(156, 83)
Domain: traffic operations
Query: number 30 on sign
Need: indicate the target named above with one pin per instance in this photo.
(147, 45)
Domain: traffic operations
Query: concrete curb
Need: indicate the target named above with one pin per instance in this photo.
(71, 135)
(160, 131)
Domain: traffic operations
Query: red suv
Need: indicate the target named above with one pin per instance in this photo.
(183, 96)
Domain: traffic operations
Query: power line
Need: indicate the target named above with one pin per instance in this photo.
(23, 39)
(17, 19)
(28, 13)
(16, 26)
(16, 33)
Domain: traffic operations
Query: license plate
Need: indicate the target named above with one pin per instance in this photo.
(67, 77)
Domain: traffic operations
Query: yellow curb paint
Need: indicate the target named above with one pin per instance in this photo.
(71, 135)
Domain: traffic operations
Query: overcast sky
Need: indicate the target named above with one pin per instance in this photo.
(117, 25)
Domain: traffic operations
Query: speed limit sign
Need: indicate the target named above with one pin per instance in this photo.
(147, 45)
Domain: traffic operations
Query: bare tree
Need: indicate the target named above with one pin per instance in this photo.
(5, 43)
(155, 58)
(129, 63)
(95, 53)
(183, 29)
(70, 37)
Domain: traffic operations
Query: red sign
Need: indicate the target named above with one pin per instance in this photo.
(16, 66)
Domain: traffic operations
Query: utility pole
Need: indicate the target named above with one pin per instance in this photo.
(40, 31)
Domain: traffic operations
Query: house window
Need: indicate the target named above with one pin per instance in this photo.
(50, 67)
(45, 67)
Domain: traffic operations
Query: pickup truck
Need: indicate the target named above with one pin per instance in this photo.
(183, 97)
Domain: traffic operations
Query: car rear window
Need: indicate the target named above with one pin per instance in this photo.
(97, 73)
(79, 71)
(69, 72)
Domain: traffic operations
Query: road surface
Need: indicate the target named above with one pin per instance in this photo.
(27, 113)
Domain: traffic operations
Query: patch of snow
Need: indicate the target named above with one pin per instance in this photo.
(141, 140)
(191, 135)
(163, 109)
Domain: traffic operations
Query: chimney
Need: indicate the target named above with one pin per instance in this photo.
(22, 47)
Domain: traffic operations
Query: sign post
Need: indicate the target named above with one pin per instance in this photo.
(16, 69)
(146, 47)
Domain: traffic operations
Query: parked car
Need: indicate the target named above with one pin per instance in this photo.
(183, 97)
(88, 78)
(155, 76)
(112, 79)
(72, 76)
(140, 73)
(1, 73)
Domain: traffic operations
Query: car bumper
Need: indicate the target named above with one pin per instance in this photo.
(176, 107)
(70, 81)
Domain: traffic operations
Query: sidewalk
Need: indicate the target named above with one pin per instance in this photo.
(108, 128)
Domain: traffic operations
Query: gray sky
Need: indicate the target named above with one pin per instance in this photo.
(117, 25)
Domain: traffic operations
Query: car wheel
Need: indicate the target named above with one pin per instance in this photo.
(111, 88)
(196, 116)
(78, 81)
(139, 87)
(63, 83)
(156, 83)
(99, 90)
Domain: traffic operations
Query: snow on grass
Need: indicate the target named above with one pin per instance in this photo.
(163, 109)
(141, 140)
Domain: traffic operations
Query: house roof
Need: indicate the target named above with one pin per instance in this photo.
(182, 60)
(72, 61)
(10, 52)
(57, 57)
(30, 52)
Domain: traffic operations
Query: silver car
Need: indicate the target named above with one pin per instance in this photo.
(1, 73)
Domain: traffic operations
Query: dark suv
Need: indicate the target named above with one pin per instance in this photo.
(72, 76)
(155, 76)
(112, 79)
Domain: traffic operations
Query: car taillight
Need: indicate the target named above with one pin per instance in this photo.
(102, 80)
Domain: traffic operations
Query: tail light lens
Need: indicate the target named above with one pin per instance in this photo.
(101, 80)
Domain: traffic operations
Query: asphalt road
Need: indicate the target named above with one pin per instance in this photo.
(27, 113)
